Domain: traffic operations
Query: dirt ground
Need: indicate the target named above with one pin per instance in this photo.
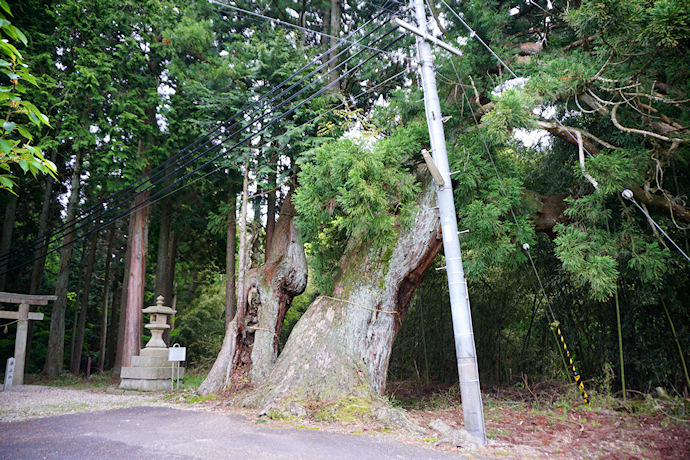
(546, 421)
(552, 422)
(543, 422)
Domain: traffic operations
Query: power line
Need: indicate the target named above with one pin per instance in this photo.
(99, 208)
(180, 156)
(474, 34)
(628, 195)
(289, 24)
(246, 139)
(526, 247)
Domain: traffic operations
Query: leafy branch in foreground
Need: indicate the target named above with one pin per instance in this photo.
(15, 137)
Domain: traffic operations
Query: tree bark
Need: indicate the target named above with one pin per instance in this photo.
(117, 365)
(56, 339)
(230, 259)
(250, 347)
(75, 364)
(270, 214)
(163, 260)
(6, 237)
(105, 300)
(241, 300)
(39, 254)
(131, 342)
(341, 346)
(163, 251)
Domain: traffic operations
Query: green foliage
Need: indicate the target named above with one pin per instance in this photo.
(659, 21)
(512, 109)
(350, 189)
(669, 22)
(201, 324)
(561, 76)
(486, 205)
(19, 114)
(587, 255)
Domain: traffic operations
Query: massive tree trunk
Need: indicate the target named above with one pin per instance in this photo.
(250, 347)
(341, 347)
(56, 339)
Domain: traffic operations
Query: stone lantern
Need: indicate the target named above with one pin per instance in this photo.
(158, 323)
(151, 370)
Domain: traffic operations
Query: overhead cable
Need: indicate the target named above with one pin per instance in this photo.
(246, 139)
(98, 209)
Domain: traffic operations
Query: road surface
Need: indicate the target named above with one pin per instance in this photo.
(167, 433)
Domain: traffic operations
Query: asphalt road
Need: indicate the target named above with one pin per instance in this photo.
(163, 433)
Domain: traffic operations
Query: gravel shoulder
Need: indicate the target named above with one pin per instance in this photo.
(26, 402)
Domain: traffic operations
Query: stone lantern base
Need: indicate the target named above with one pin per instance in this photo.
(150, 371)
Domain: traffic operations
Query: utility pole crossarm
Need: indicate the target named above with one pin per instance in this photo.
(430, 38)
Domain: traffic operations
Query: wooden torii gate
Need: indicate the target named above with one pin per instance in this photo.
(23, 316)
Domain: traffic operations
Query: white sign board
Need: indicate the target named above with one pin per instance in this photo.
(177, 353)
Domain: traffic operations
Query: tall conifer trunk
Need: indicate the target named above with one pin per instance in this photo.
(270, 214)
(56, 339)
(117, 364)
(75, 364)
(6, 237)
(230, 259)
(131, 341)
(105, 301)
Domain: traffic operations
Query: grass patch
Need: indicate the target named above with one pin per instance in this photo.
(193, 379)
(66, 379)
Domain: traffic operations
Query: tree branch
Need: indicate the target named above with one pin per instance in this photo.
(615, 121)
(646, 197)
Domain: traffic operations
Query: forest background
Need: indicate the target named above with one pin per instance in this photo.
(599, 103)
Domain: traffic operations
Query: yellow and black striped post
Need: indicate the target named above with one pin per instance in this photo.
(578, 380)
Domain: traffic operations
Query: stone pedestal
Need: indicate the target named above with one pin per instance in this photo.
(151, 370)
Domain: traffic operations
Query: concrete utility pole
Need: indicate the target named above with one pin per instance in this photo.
(457, 285)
